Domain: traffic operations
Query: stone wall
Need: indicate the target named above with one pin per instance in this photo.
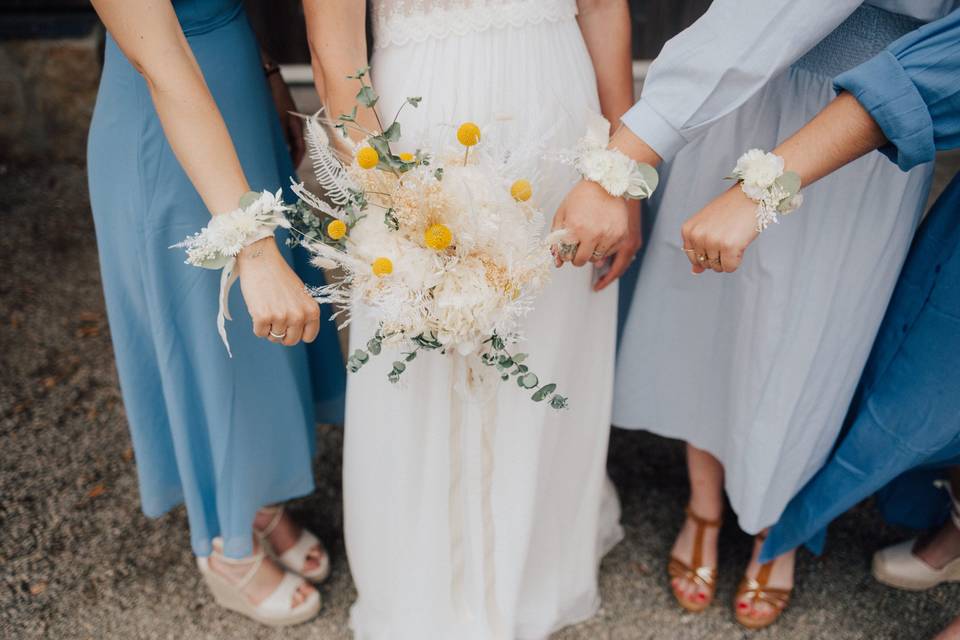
(47, 92)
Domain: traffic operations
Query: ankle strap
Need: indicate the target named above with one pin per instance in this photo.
(702, 522)
(277, 516)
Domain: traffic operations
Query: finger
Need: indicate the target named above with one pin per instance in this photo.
(312, 328)
(621, 262)
(713, 260)
(294, 332)
(600, 255)
(310, 331)
(584, 253)
(261, 326)
(278, 331)
(730, 260)
(687, 245)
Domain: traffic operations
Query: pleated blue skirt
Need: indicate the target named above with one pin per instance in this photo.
(224, 436)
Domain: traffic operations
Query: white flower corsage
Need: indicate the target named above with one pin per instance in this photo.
(216, 246)
(620, 175)
(763, 180)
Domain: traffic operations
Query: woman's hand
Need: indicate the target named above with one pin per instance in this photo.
(720, 232)
(628, 249)
(596, 220)
(276, 298)
(291, 123)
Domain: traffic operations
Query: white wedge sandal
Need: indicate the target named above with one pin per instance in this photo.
(276, 610)
(898, 566)
(295, 558)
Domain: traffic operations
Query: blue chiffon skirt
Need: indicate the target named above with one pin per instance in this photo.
(224, 436)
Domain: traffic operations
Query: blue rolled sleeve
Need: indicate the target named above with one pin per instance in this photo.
(912, 91)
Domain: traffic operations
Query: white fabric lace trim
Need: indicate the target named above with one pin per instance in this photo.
(399, 22)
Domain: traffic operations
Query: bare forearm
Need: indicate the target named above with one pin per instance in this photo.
(605, 25)
(338, 48)
(151, 38)
(838, 135)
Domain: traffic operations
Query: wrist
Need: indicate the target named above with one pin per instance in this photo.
(627, 142)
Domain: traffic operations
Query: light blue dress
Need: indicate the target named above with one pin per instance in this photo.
(224, 436)
(904, 423)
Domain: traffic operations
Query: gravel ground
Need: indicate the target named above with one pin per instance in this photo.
(79, 560)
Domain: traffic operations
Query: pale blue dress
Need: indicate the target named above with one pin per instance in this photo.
(224, 436)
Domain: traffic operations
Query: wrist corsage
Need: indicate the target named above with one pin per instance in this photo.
(763, 180)
(620, 175)
(216, 246)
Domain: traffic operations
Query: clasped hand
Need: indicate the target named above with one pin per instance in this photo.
(281, 308)
(601, 226)
(719, 234)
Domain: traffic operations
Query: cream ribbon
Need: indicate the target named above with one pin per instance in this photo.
(473, 382)
(227, 277)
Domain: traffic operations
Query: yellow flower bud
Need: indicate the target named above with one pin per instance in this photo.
(438, 237)
(406, 156)
(521, 190)
(468, 134)
(382, 267)
(368, 158)
(336, 229)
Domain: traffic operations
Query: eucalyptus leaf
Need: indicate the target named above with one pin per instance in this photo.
(374, 346)
(649, 174)
(392, 134)
(790, 183)
(544, 391)
(367, 96)
(529, 381)
(438, 174)
(414, 101)
(248, 199)
(520, 357)
(399, 367)
(558, 402)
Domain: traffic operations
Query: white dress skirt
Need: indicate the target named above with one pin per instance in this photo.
(554, 513)
(758, 367)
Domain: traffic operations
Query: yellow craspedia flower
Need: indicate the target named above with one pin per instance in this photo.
(511, 290)
(521, 190)
(406, 156)
(382, 267)
(336, 229)
(438, 237)
(368, 157)
(468, 134)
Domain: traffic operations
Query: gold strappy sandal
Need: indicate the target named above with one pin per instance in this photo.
(754, 590)
(705, 577)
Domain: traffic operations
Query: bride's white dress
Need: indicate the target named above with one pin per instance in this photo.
(519, 68)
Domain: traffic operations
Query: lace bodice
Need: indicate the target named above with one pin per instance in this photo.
(398, 22)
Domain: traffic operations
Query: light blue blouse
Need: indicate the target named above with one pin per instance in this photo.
(714, 66)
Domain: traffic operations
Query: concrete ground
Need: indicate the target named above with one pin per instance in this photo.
(79, 561)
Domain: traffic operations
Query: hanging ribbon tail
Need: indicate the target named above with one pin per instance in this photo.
(227, 277)
(455, 505)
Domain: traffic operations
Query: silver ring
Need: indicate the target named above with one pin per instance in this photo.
(596, 255)
(278, 336)
(568, 250)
